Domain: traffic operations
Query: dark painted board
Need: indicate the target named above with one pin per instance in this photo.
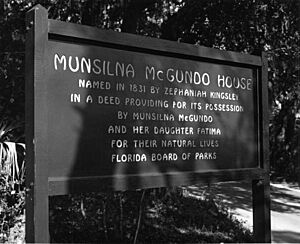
(37, 211)
(65, 185)
(78, 131)
(265, 163)
(261, 210)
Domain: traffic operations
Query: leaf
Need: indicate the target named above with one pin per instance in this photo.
(9, 160)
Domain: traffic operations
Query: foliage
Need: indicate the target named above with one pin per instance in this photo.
(12, 56)
(168, 216)
(12, 168)
(12, 203)
(11, 153)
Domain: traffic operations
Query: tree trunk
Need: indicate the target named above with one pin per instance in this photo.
(133, 11)
(88, 13)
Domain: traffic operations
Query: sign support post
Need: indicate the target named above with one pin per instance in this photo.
(37, 210)
(261, 210)
(261, 187)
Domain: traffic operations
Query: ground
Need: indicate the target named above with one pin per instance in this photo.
(285, 206)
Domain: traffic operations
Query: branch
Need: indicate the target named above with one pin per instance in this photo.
(140, 217)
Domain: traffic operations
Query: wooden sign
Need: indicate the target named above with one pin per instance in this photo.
(134, 113)
(109, 110)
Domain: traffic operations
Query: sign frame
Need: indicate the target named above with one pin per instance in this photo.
(39, 30)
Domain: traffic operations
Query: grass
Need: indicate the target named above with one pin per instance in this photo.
(168, 217)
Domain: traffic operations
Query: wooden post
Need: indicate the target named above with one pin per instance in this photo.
(261, 210)
(261, 187)
(37, 212)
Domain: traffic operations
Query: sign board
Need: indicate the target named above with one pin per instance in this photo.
(109, 110)
(130, 112)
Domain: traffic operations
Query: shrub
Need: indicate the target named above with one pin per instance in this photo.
(12, 178)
